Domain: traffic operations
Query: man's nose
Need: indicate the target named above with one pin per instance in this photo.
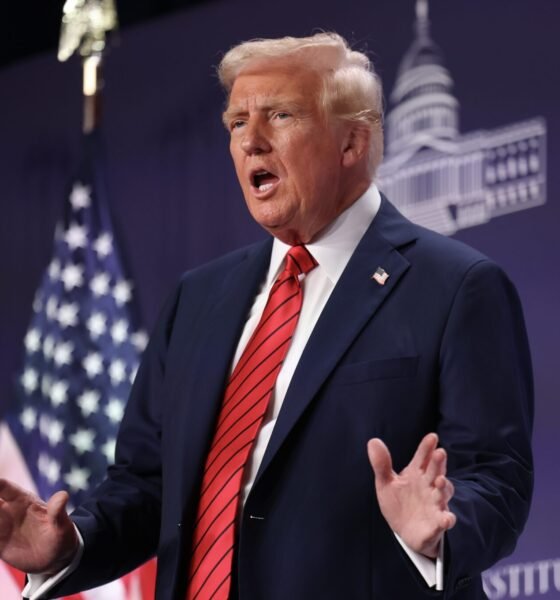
(255, 140)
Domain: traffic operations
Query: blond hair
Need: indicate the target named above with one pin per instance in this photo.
(352, 90)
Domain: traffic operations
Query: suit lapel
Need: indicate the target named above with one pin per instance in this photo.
(352, 304)
(221, 329)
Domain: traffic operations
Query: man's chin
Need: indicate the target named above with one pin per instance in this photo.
(273, 223)
(287, 234)
(281, 226)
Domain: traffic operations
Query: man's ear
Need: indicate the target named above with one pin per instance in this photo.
(356, 144)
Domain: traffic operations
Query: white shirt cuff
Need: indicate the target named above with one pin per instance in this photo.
(38, 584)
(430, 569)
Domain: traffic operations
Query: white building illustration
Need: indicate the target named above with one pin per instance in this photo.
(440, 178)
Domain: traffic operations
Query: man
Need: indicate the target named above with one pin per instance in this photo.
(388, 331)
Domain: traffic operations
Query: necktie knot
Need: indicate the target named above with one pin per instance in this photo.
(299, 261)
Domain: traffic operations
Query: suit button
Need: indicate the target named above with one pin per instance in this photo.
(463, 582)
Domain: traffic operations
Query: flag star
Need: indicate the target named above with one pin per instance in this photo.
(77, 479)
(117, 371)
(93, 364)
(108, 449)
(103, 245)
(54, 269)
(115, 410)
(55, 432)
(28, 418)
(122, 292)
(59, 392)
(42, 462)
(32, 340)
(52, 308)
(48, 347)
(49, 468)
(80, 196)
(119, 331)
(76, 236)
(89, 402)
(51, 429)
(68, 315)
(97, 324)
(82, 440)
(30, 380)
(140, 340)
(99, 284)
(52, 472)
(72, 276)
(63, 353)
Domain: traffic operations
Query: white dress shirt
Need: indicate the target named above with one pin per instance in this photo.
(332, 251)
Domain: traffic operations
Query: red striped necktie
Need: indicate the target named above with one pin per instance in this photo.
(245, 403)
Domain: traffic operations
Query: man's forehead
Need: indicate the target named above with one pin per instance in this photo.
(279, 84)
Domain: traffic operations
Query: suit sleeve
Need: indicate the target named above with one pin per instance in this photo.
(486, 406)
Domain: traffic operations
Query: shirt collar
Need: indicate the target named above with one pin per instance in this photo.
(336, 244)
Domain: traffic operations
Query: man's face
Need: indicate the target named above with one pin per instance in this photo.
(288, 156)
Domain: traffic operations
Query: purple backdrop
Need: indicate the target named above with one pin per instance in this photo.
(175, 201)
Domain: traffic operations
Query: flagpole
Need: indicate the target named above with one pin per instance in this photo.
(92, 80)
(85, 25)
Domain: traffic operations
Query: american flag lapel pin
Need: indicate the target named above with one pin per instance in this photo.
(380, 276)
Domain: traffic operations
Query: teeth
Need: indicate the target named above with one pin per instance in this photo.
(264, 187)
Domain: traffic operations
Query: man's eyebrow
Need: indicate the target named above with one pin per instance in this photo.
(231, 112)
(288, 105)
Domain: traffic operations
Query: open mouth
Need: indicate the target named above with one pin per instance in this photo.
(263, 180)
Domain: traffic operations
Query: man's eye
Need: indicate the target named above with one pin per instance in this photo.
(282, 115)
(237, 124)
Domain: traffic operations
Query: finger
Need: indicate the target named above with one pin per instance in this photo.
(10, 491)
(380, 459)
(447, 520)
(446, 487)
(424, 451)
(56, 508)
(437, 465)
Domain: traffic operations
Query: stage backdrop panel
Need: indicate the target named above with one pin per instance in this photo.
(175, 202)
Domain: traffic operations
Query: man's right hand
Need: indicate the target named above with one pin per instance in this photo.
(35, 537)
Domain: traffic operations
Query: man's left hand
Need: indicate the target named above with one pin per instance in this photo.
(415, 501)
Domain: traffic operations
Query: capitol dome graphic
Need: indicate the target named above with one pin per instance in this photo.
(438, 177)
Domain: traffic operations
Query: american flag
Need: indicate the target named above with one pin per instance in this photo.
(81, 354)
(380, 276)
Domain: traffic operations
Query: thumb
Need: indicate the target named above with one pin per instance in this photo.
(380, 459)
(56, 508)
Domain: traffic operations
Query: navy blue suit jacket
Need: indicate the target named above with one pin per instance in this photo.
(440, 347)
